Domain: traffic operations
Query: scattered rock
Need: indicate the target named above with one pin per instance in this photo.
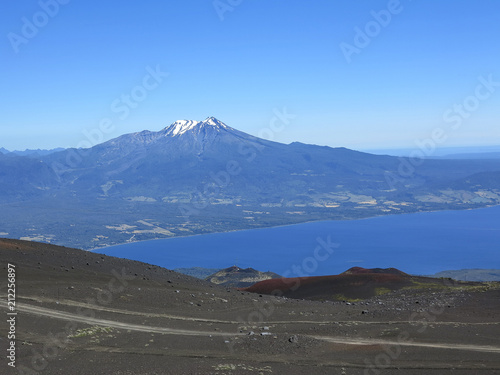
(294, 339)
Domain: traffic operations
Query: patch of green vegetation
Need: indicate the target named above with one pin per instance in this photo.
(91, 331)
(419, 285)
(341, 297)
(381, 291)
(483, 287)
(493, 284)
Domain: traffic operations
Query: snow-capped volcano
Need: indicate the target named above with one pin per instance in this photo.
(182, 126)
(181, 138)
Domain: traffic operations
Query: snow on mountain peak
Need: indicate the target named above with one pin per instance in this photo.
(214, 122)
(182, 126)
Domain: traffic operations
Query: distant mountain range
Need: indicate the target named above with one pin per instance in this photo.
(471, 274)
(31, 153)
(205, 176)
(471, 152)
(478, 155)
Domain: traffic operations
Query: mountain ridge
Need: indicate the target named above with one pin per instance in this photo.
(210, 177)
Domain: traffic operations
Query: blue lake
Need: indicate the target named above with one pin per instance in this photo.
(422, 243)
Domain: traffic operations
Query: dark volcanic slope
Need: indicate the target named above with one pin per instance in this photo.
(355, 283)
(82, 313)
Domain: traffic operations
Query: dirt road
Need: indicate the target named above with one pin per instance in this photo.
(36, 310)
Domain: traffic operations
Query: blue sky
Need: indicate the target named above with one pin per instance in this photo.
(243, 62)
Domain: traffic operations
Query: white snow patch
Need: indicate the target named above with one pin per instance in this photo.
(182, 126)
